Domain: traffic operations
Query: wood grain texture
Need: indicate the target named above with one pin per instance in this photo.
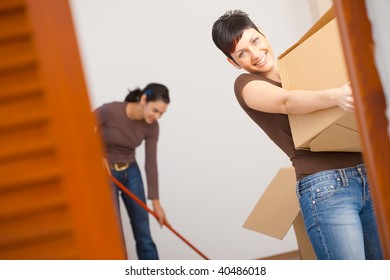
(55, 200)
(370, 104)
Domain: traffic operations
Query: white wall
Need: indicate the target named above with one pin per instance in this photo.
(377, 12)
(214, 162)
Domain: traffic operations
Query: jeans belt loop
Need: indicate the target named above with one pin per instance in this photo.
(120, 166)
(344, 177)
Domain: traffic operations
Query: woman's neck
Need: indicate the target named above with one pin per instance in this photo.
(134, 111)
(274, 74)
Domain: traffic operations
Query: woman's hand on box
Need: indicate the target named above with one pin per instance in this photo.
(345, 98)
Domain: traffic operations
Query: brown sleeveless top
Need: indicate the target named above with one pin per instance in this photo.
(277, 127)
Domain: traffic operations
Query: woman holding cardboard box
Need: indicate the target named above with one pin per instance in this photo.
(332, 187)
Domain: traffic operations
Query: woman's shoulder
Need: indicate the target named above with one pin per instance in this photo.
(110, 110)
(245, 78)
(113, 106)
(155, 126)
(242, 80)
(152, 130)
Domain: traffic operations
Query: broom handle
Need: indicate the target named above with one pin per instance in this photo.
(143, 205)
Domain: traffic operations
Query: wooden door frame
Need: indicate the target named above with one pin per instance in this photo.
(370, 104)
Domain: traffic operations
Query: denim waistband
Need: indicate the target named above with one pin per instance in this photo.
(343, 174)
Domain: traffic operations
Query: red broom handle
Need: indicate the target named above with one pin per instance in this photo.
(143, 205)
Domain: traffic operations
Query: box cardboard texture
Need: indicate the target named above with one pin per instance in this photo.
(317, 62)
(278, 209)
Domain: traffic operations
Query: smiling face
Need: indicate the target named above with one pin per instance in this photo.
(153, 110)
(254, 54)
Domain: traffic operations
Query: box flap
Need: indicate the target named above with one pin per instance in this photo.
(349, 120)
(304, 128)
(305, 248)
(348, 140)
(325, 19)
(277, 208)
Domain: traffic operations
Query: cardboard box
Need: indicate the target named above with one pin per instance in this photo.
(278, 209)
(317, 62)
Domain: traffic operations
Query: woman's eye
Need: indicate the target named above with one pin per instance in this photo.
(241, 54)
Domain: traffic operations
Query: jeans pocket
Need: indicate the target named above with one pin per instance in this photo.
(325, 189)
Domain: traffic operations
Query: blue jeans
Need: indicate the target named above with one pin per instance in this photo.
(139, 218)
(339, 214)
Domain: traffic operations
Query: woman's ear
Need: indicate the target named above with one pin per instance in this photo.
(142, 100)
(234, 63)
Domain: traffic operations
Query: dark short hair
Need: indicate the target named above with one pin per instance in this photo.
(228, 29)
(153, 92)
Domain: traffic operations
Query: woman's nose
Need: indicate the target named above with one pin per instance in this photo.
(255, 54)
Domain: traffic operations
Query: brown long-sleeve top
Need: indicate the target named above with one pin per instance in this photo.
(122, 135)
(277, 127)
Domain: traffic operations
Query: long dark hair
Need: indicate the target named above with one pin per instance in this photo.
(153, 91)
